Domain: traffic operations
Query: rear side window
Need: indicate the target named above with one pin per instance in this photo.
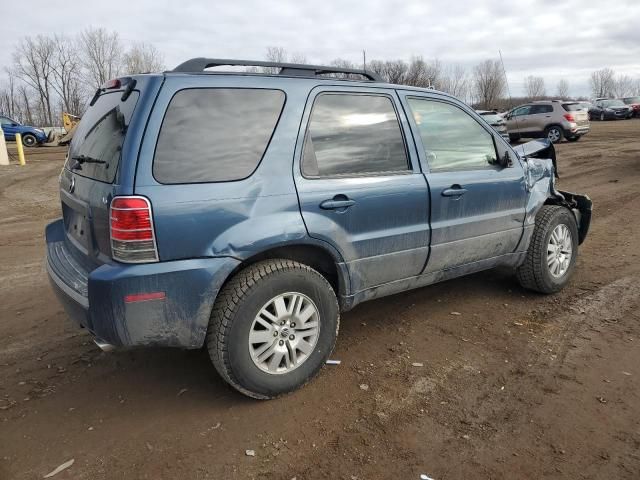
(100, 135)
(353, 135)
(215, 134)
(452, 139)
(540, 109)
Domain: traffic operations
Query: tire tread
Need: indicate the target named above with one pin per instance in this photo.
(228, 302)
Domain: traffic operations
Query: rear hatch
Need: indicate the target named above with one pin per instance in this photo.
(89, 179)
(579, 113)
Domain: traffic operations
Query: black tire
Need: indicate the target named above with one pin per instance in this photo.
(575, 138)
(233, 314)
(513, 137)
(557, 138)
(29, 140)
(534, 273)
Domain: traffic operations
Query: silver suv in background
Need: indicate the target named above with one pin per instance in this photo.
(553, 119)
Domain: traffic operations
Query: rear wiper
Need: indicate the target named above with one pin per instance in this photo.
(80, 159)
(85, 159)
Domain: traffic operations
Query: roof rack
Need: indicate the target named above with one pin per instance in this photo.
(294, 69)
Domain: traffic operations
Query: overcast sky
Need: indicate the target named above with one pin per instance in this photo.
(551, 38)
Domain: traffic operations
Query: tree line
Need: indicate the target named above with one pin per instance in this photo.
(55, 73)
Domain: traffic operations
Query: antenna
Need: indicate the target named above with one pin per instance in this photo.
(506, 80)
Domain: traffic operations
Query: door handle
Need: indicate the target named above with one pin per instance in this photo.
(337, 202)
(454, 191)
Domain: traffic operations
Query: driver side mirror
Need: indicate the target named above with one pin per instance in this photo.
(505, 160)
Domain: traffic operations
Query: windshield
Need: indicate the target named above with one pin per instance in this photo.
(613, 103)
(631, 100)
(100, 136)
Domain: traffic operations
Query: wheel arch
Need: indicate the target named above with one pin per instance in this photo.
(316, 254)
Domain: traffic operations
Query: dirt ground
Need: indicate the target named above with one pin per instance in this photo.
(513, 385)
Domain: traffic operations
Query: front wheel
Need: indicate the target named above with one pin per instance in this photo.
(29, 140)
(552, 253)
(273, 327)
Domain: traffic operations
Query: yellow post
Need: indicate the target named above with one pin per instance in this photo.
(20, 150)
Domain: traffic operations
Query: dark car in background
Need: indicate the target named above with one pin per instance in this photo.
(494, 119)
(31, 136)
(634, 103)
(610, 109)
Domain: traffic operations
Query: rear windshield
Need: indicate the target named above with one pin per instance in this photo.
(215, 134)
(100, 136)
(573, 107)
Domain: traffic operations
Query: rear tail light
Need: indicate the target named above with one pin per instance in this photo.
(131, 225)
(569, 117)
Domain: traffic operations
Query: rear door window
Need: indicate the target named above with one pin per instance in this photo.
(540, 109)
(100, 136)
(215, 134)
(572, 107)
(352, 134)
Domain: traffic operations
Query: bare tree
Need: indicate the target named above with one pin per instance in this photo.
(101, 55)
(455, 81)
(602, 83)
(623, 86)
(392, 71)
(142, 58)
(33, 65)
(66, 74)
(275, 54)
(9, 103)
(534, 87)
(562, 89)
(489, 83)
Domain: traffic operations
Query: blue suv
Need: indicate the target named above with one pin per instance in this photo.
(31, 136)
(245, 211)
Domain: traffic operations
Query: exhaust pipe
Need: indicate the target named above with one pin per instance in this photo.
(104, 346)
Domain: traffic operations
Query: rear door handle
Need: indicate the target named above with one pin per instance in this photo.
(337, 202)
(454, 191)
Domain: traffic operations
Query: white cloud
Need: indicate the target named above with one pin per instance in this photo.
(567, 39)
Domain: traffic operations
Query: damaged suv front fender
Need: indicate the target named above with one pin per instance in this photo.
(539, 158)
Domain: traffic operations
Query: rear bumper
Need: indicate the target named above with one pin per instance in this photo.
(578, 131)
(96, 299)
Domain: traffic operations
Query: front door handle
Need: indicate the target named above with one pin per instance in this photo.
(454, 191)
(337, 202)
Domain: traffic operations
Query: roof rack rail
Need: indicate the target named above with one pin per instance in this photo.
(294, 69)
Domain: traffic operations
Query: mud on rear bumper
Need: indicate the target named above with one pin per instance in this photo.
(98, 299)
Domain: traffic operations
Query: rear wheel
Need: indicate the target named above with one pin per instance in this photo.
(273, 327)
(554, 134)
(513, 137)
(29, 140)
(552, 252)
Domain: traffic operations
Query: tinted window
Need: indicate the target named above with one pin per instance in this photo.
(100, 136)
(353, 134)
(540, 109)
(452, 139)
(573, 107)
(215, 134)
